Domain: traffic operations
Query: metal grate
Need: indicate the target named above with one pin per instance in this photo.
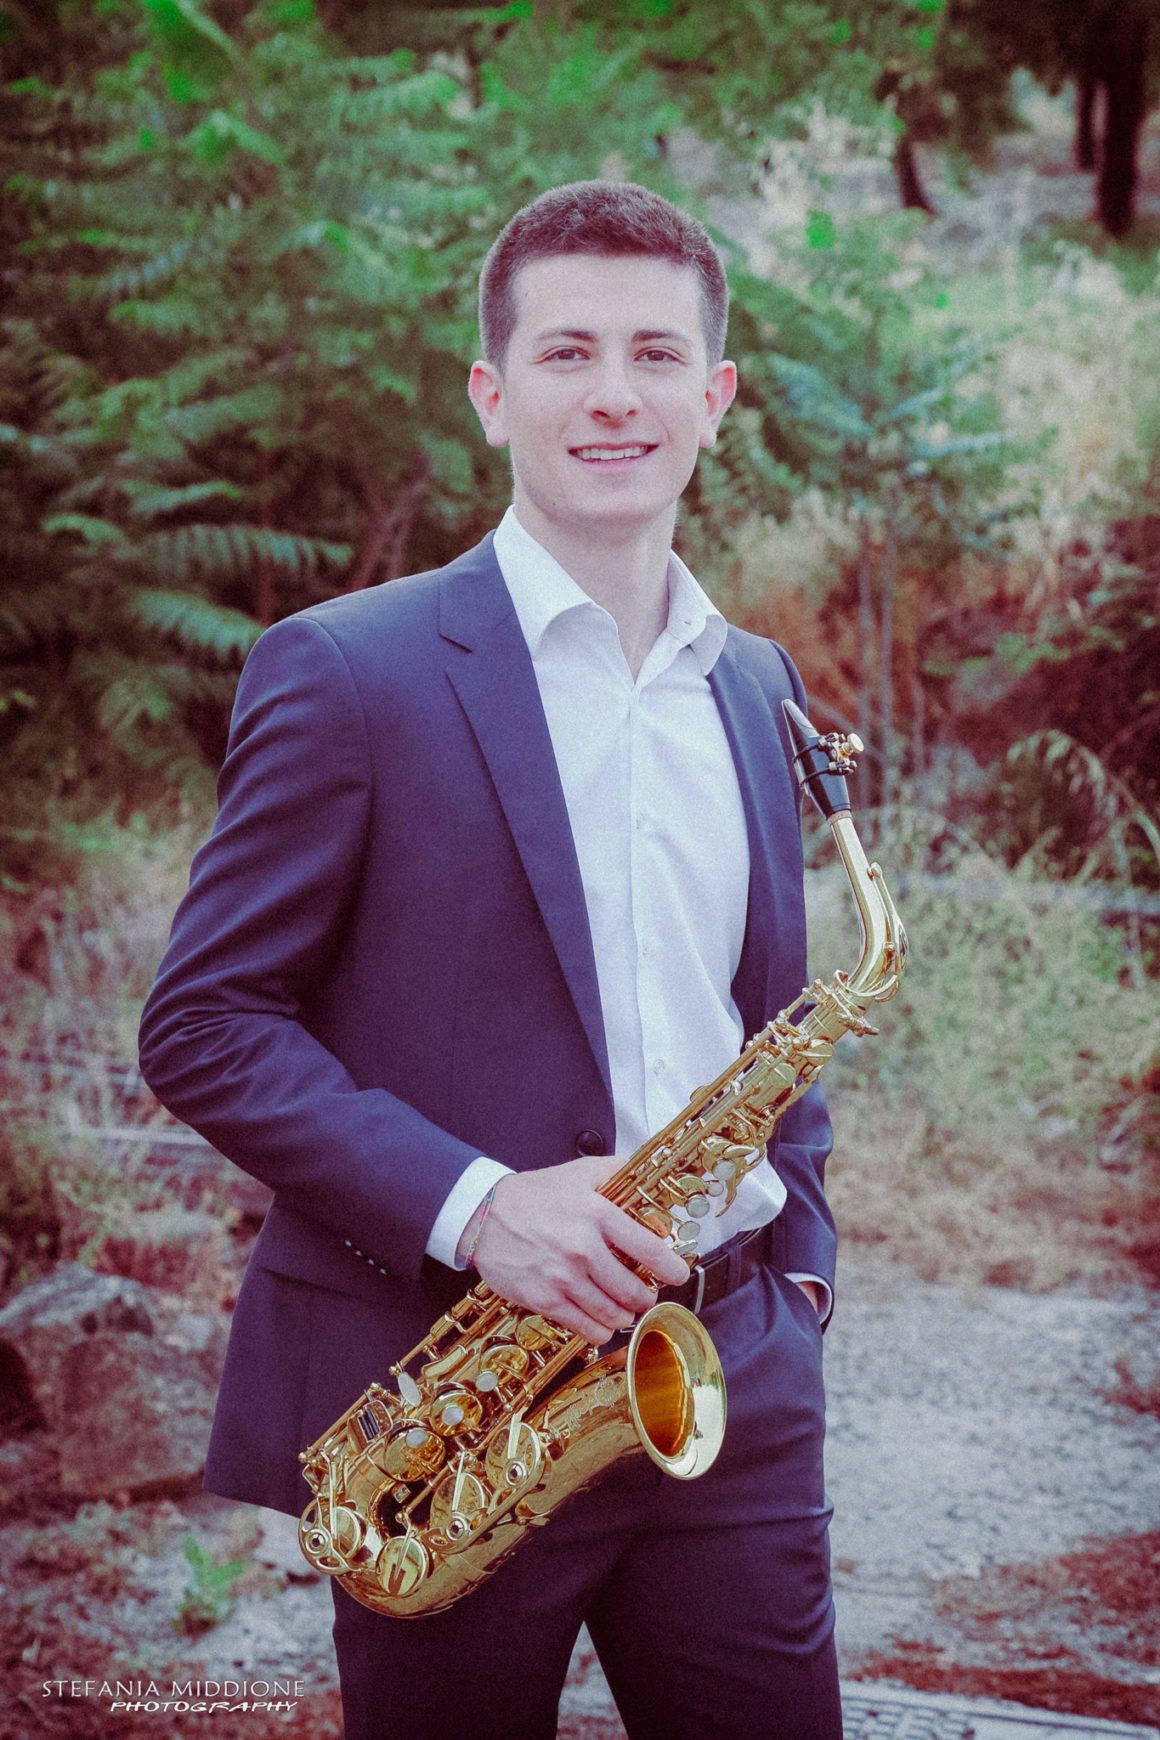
(875, 1718)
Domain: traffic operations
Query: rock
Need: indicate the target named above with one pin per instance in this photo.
(124, 1376)
(1138, 1368)
(171, 1249)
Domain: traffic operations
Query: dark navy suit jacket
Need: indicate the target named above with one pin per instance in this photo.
(383, 968)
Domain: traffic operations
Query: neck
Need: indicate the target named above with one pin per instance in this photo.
(623, 570)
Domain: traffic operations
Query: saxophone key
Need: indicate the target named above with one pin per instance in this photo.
(455, 1409)
(402, 1565)
(459, 1502)
(330, 1545)
(411, 1453)
(502, 1360)
(367, 1425)
(409, 1390)
(515, 1455)
(536, 1332)
(448, 1365)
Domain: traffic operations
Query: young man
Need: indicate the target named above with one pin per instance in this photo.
(508, 862)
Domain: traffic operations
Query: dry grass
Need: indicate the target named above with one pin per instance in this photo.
(1003, 1128)
(79, 1182)
(1005, 1125)
(973, 1211)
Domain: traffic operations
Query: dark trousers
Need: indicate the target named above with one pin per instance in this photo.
(708, 1600)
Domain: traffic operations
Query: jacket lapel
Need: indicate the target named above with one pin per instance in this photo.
(769, 974)
(490, 669)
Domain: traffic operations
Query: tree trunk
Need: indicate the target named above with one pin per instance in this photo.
(403, 513)
(910, 188)
(918, 737)
(886, 645)
(866, 646)
(264, 598)
(1123, 121)
(1085, 117)
(1116, 49)
(384, 546)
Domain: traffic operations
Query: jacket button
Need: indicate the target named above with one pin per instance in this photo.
(590, 1142)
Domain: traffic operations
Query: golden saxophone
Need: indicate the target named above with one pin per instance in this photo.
(422, 1490)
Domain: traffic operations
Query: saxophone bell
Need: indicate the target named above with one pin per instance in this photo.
(676, 1391)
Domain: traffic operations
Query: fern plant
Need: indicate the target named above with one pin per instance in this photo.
(250, 395)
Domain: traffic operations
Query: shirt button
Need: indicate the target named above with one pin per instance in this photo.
(590, 1142)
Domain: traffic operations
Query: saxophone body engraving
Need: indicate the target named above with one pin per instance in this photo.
(499, 1415)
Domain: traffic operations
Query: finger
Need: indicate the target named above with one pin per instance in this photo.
(570, 1300)
(593, 1327)
(623, 1288)
(588, 1293)
(644, 1247)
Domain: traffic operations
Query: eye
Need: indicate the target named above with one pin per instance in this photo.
(655, 355)
(565, 353)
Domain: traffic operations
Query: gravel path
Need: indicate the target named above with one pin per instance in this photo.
(971, 1427)
(968, 1428)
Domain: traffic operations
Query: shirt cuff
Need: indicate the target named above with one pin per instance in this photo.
(825, 1292)
(465, 1196)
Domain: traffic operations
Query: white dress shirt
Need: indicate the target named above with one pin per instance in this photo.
(660, 836)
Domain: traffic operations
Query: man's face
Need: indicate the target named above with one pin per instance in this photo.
(605, 396)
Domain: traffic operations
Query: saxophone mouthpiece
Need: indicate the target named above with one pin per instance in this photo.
(822, 762)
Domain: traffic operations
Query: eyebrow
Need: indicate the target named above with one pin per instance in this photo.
(645, 335)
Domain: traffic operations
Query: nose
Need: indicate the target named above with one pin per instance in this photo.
(612, 394)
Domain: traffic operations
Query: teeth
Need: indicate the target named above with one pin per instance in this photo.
(610, 452)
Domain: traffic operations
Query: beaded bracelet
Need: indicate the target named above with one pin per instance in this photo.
(487, 1202)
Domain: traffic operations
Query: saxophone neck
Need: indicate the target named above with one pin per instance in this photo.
(821, 764)
(884, 944)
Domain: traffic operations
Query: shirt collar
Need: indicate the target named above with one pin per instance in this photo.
(541, 591)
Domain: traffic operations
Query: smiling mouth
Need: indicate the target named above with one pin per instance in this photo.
(600, 455)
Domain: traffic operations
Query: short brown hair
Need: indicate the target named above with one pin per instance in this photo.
(598, 217)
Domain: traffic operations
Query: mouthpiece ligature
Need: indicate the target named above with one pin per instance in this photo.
(822, 762)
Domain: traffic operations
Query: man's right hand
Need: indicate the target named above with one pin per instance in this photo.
(550, 1243)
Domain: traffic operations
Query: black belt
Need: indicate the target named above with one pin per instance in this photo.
(723, 1270)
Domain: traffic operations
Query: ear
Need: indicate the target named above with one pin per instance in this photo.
(485, 390)
(718, 398)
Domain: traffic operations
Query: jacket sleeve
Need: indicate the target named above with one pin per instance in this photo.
(224, 1043)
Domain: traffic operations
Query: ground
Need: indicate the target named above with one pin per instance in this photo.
(997, 1533)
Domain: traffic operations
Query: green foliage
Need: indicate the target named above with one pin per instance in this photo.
(252, 395)
(847, 396)
(1077, 810)
(747, 71)
(857, 400)
(209, 1596)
